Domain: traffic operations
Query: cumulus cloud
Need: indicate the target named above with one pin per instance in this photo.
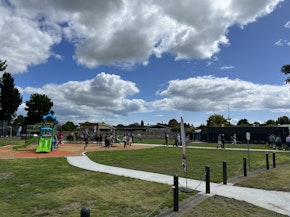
(212, 94)
(106, 95)
(122, 33)
(287, 24)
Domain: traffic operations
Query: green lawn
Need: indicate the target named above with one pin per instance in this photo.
(52, 187)
(168, 161)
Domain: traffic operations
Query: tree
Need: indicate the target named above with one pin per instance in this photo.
(270, 123)
(286, 70)
(37, 106)
(10, 98)
(216, 121)
(3, 65)
(173, 123)
(68, 126)
(243, 122)
(283, 120)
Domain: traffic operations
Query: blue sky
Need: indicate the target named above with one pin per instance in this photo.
(121, 62)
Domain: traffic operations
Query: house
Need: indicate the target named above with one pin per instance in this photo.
(151, 131)
(96, 128)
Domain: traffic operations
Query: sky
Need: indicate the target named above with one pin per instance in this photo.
(123, 62)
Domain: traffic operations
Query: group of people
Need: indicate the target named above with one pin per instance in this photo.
(221, 141)
(277, 143)
(127, 139)
(109, 139)
(176, 139)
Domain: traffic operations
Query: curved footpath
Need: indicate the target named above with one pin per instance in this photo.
(276, 201)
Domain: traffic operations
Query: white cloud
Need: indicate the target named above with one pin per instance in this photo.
(122, 33)
(104, 96)
(281, 42)
(108, 97)
(287, 24)
(226, 67)
(208, 93)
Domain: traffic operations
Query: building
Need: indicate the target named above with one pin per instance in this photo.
(96, 128)
(153, 131)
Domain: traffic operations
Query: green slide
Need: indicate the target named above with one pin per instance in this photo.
(29, 142)
(44, 145)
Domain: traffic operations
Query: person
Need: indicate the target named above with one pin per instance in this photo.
(288, 142)
(166, 139)
(272, 141)
(86, 138)
(111, 140)
(278, 142)
(107, 142)
(223, 140)
(59, 138)
(132, 137)
(219, 145)
(175, 140)
(178, 139)
(187, 140)
(125, 140)
(139, 137)
(234, 139)
(128, 140)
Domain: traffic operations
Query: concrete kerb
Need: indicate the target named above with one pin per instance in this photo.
(276, 201)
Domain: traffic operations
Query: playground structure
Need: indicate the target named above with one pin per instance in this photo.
(47, 137)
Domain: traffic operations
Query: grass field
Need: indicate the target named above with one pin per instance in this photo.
(51, 187)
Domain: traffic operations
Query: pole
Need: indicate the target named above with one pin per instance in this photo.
(267, 160)
(245, 166)
(85, 212)
(274, 160)
(224, 172)
(249, 156)
(207, 180)
(175, 193)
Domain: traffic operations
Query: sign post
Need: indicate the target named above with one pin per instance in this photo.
(248, 136)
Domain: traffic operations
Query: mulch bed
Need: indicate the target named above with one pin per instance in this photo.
(64, 150)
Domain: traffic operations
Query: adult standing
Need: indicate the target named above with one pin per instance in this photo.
(288, 142)
(219, 140)
(86, 139)
(234, 139)
(166, 139)
(59, 138)
(223, 140)
(107, 142)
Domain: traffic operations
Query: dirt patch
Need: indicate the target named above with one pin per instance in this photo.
(64, 150)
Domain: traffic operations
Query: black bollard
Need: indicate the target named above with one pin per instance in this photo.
(224, 172)
(274, 160)
(245, 166)
(175, 194)
(267, 161)
(207, 180)
(85, 212)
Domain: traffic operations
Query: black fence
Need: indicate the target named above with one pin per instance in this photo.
(258, 135)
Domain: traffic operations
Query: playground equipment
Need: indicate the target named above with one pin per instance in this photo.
(47, 136)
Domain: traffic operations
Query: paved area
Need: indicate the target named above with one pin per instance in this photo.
(276, 201)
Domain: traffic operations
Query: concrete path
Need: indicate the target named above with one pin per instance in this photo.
(276, 201)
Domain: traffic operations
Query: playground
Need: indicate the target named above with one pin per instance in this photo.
(47, 144)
